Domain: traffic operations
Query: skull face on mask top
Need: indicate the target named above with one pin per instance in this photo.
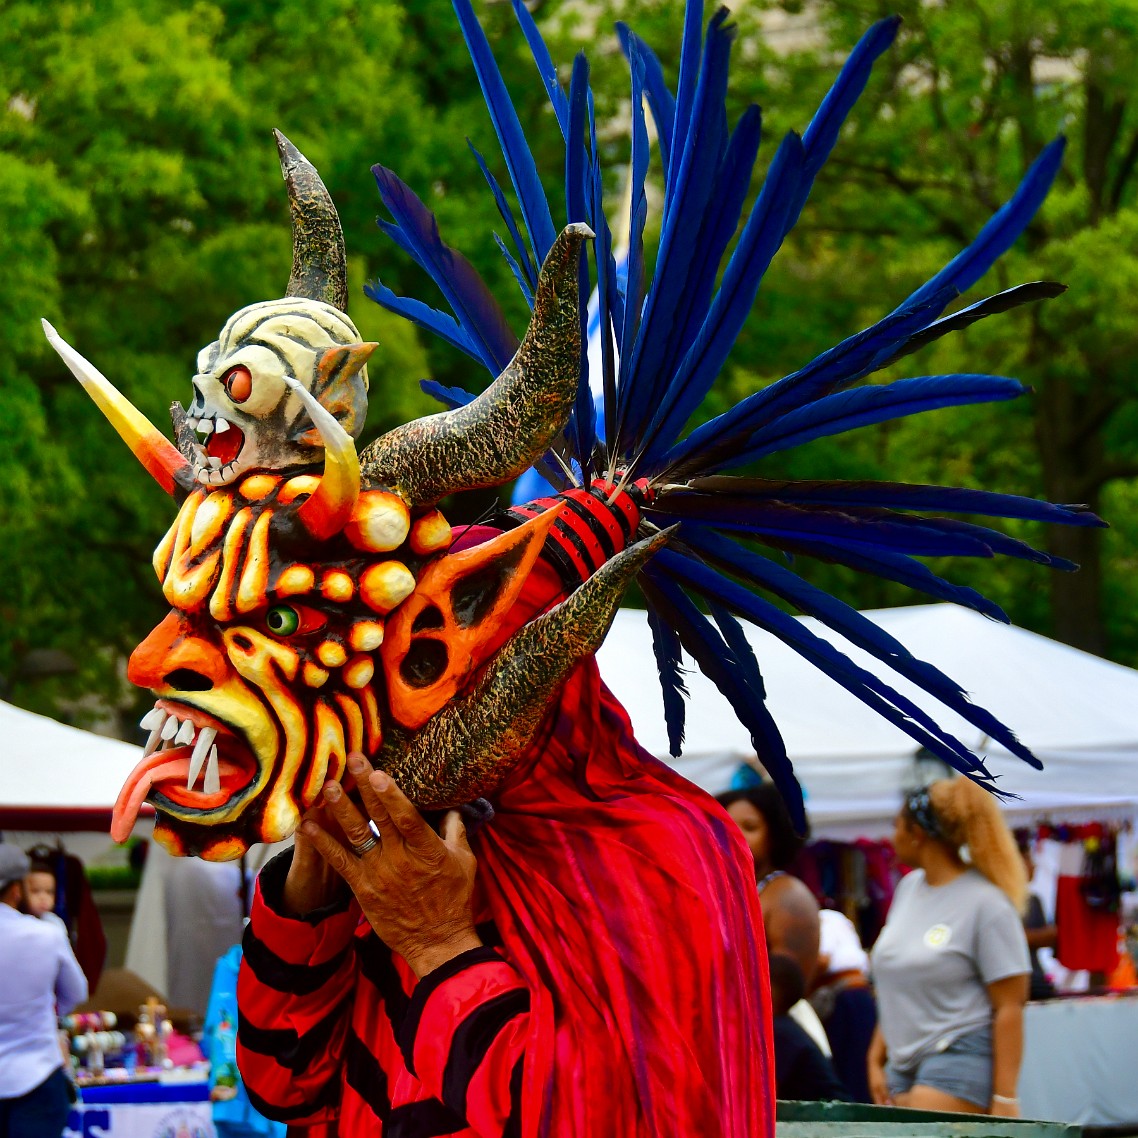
(245, 409)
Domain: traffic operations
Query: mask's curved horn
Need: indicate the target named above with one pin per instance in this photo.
(465, 751)
(330, 506)
(511, 424)
(319, 261)
(149, 445)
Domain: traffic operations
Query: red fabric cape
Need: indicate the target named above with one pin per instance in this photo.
(626, 897)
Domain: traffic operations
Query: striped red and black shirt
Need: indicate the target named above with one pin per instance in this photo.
(335, 1029)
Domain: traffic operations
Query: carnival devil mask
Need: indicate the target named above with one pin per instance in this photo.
(291, 639)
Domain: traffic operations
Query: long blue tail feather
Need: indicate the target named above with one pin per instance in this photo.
(521, 258)
(848, 622)
(666, 648)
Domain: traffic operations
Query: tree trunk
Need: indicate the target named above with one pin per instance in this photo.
(1071, 452)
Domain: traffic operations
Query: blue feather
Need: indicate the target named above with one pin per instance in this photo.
(871, 529)
(690, 66)
(848, 410)
(666, 649)
(638, 213)
(760, 240)
(607, 299)
(449, 397)
(430, 319)
(578, 195)
(517, 270)
(822, 133)
(867, 687)
(857, 629)
(515, 149)
(681, 227)
(719, 664)
(660, 99)
(523, 258)
(471, 301)
(901, 496)
(545, 66)
(990, 306)
(895, 567)
(1002, 229)
(839, 366)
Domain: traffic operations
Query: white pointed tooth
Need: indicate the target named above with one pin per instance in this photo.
(212, 782)
(221, 426)
(205, 426)
(215, 463)
(152, 741)
(170, 727)
(185, 733)
(197, 759)
(155, 717)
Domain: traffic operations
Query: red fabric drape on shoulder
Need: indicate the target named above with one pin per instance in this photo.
(625, 897)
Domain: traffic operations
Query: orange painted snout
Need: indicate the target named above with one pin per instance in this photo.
(177, 656)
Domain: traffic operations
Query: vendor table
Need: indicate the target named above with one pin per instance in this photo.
(1079, 1061)
(143, 1110)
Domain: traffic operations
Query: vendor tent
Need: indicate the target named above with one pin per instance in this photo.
(55, 777)
(1077, 712)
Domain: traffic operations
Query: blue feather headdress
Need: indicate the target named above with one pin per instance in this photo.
(664, 337)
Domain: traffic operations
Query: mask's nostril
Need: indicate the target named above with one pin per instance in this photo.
(199, 396)
(185, 679)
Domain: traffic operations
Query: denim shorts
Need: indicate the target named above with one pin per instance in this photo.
(962, 1069)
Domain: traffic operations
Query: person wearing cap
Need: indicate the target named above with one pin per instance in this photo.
(39, 977)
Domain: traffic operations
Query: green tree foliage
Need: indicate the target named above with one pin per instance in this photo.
(143, 204)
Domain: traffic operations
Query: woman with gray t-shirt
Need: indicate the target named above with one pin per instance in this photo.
(951, 964)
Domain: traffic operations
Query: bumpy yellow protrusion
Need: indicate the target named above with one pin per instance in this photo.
(294, 581)
(366, 635)
(380, 522)
(430, 533)
(336, 585)
(313, 675)
(359, 672)
(383, 586)
(331, 653)
(294, 487)
(258, 486)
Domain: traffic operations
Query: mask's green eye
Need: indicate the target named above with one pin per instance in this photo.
(282, 620)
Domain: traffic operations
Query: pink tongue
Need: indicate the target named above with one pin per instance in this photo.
(160, 765)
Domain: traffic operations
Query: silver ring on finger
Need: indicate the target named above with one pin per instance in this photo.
(369, 843)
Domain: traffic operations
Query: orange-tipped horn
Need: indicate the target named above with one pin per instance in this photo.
(330, 507)
(160, 457)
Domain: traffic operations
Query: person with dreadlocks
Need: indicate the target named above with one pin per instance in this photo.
(951, 964)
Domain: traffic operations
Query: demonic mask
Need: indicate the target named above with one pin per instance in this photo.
(317, 612)
(245, 409)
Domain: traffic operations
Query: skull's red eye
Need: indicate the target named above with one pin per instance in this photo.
(238, 384)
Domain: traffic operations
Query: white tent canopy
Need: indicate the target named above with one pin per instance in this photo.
(1077, 712)
(52, 775)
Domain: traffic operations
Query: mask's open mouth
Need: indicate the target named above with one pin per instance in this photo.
(216, 456)
(193, 767)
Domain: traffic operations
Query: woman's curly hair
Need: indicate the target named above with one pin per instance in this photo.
(967, 815)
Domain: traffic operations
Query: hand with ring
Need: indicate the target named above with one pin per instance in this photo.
(414, 886)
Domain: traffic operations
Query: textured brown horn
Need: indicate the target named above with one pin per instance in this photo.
(511, 424)
(465, 751)
(319, 262)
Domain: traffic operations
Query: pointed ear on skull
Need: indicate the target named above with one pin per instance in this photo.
(446, 630)
(340, 387)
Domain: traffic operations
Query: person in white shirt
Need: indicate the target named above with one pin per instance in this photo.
(39, 977)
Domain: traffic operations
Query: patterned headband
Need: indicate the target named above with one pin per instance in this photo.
(919, 807)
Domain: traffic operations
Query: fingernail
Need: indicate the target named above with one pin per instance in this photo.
(332, 792)
(356, 763)
(380, 781)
